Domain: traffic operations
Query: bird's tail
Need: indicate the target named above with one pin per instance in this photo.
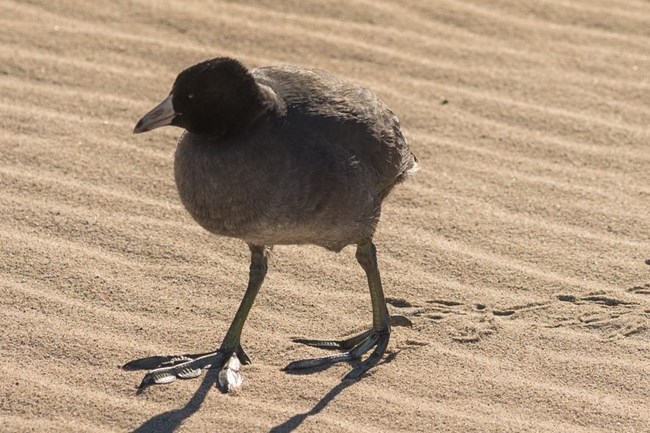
(414, 166)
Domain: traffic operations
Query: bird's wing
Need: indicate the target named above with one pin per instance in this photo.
(346, 114)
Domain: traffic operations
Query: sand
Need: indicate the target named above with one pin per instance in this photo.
(520, 251)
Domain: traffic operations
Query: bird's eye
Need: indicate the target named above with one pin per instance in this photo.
(190, 96)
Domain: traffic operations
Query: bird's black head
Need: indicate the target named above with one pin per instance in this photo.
(217, 96)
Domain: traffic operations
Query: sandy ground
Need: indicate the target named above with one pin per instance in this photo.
(520, 251)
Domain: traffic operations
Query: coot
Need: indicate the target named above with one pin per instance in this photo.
(281, 155)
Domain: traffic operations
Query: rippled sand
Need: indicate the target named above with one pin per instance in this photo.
(519, 250)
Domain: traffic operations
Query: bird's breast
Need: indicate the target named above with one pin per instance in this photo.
(218, 186)
(269, 194)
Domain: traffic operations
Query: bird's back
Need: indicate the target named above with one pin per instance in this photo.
(314, 170)
(347, 115)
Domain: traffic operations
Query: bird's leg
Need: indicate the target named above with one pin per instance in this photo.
(356, 346)
(166, 369)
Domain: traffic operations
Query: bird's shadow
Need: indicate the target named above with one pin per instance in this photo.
(170, 421)
(294, 422)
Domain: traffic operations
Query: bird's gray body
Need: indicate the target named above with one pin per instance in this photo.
(281, 155)
(313, 168)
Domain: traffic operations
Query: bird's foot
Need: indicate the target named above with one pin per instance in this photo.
(353, 347)
(361, 343)
(167, 368)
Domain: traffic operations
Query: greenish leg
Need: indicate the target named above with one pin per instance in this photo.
(257, 272)
(367, 258)
(376, 337)
(166, 369)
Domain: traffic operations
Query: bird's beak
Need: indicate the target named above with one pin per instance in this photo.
(161, 115)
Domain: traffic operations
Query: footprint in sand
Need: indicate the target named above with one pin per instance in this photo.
(609, 316)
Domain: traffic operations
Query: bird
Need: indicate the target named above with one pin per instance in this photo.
(281, 155)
